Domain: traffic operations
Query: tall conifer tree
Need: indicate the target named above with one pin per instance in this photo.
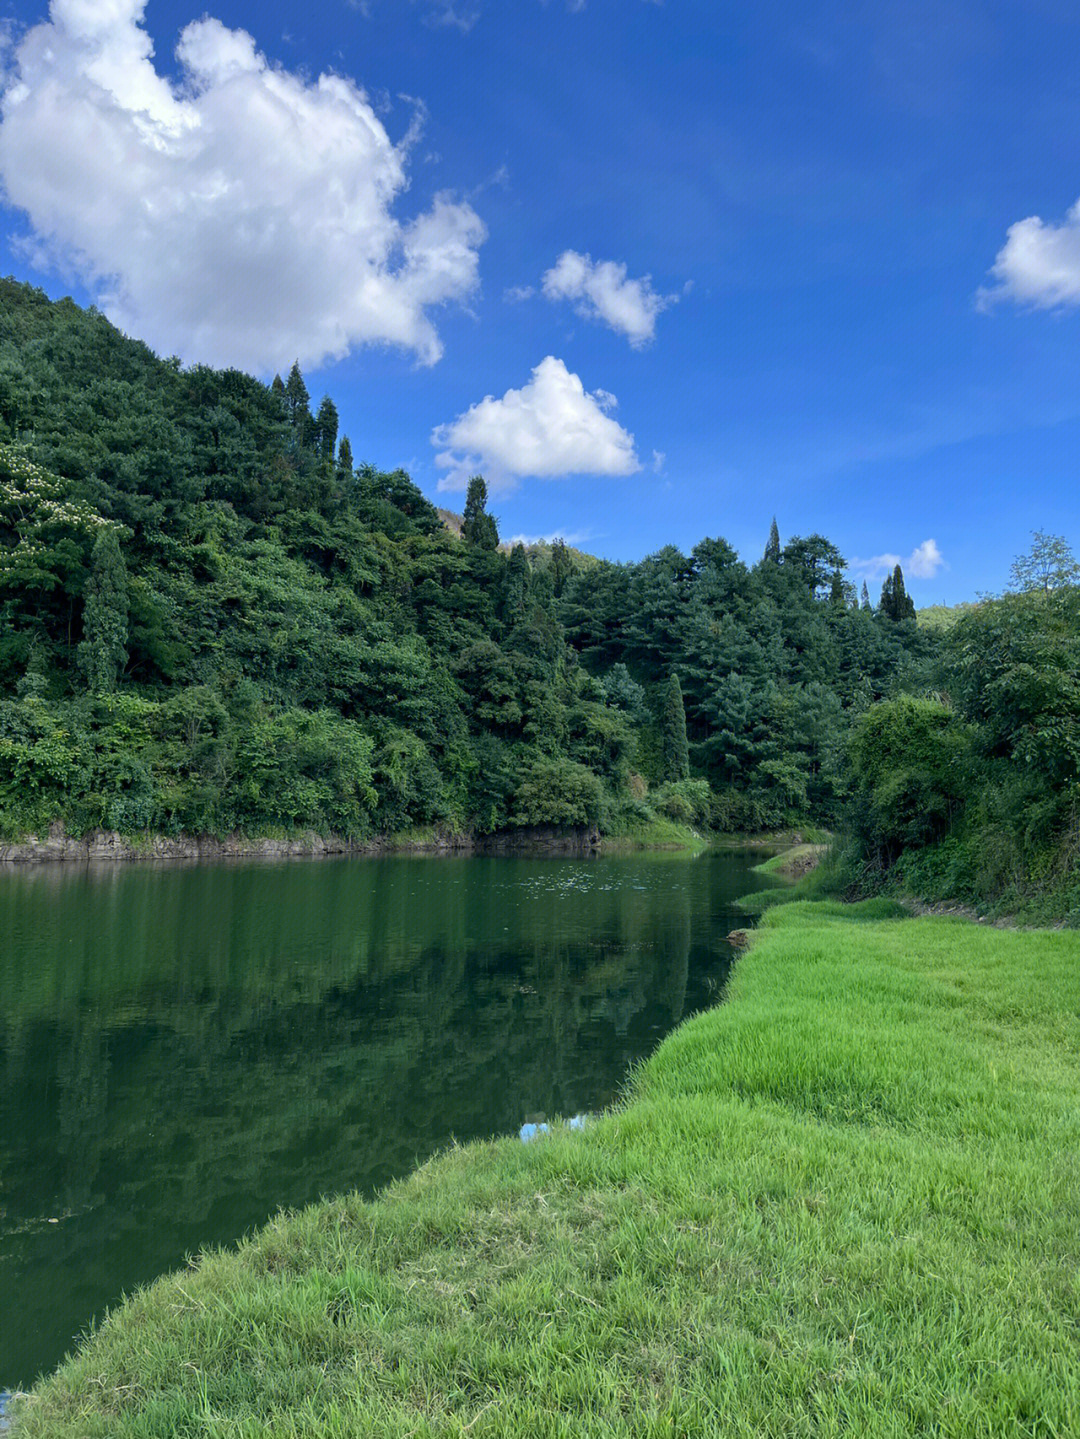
(772, 549)
(562, 566)
(478, 527)
(896, 603)
(325, 430)
(103, 651)
(297, 399)
(516, 584)
(344, 458)
(676, 752)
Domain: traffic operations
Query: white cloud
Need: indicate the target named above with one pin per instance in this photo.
(922, 564)
(442, 14)
(242, 217)
(600, 290)
(452, 17)
(1039, 264)
(551, 427)
(658, 458)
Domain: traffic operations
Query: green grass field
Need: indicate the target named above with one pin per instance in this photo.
(846, 1202)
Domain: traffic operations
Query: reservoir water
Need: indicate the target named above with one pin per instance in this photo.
(184, 1049)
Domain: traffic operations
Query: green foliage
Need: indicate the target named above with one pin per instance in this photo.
(345, 459)
(1048, 565)
(940, 618)
(1012, 668)
(817, 562)
(1013, 665)
(909, 760)
(103, 651)
(688, 801)
(317, 650)
(980, 801)
(895, 603)
(478, 527)
(297, 399)
(326, 430)
(556, 792)
(673, 725)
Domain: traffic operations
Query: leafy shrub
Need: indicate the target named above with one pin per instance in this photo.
(687, 801)
(910, 761)
(556, 791)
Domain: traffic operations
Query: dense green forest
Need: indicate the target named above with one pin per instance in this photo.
(214, 620)
(973, 791)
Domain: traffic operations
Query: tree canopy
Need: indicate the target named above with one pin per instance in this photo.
(213, 618)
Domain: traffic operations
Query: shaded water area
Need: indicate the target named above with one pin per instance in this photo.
(185, 1049)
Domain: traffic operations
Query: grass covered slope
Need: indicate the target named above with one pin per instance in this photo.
(846, 1202)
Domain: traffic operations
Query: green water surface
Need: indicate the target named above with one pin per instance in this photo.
(186, 1048)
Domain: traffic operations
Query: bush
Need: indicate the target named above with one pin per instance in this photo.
(911, 763)
(556, 791)
(687, 801)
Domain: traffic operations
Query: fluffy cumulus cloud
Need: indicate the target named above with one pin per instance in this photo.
(1039, 264)
(922, 564)
(551, 427)
(242, 217)
(600, 290)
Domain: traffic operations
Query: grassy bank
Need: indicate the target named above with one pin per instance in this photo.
(794, 862)
(846, 1202)
(657, 832)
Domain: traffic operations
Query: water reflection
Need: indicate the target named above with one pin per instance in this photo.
(186, 1049)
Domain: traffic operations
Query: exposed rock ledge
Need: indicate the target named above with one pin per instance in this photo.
(109, 845)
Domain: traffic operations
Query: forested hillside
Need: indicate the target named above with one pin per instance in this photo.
(215, 620)
(973, 792)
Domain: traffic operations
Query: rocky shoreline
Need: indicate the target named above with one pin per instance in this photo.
(60, 847)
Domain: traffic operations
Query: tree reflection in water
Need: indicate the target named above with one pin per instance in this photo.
(186, 1049)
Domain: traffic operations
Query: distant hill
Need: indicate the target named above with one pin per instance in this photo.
(939, 618)
(539, 551)
(452, 521)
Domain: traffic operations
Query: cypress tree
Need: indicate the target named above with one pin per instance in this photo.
(277, 389)
(905, 605)
(865, 597)
(478, 527)
(516, 584)
(896, 603)
(344, 458)
(886, 605)
(772, 549)
(475, 503)
(297, 399)
(561, 566)
(103, 651)
(326, 428)
(676, 752)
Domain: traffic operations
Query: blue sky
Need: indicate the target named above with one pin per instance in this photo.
(659, 270)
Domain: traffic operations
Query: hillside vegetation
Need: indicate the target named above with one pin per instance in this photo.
(213, 620)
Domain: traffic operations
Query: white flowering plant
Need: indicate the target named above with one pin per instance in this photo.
(38, 512)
